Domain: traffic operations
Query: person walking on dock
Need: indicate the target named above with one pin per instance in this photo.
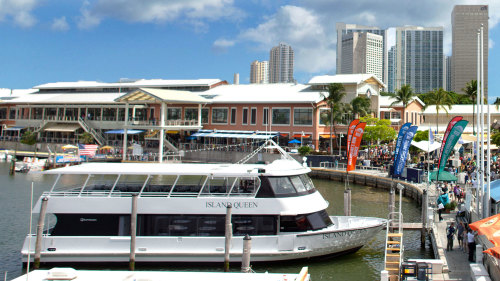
(460, 235)
(471, 243)
(450, 233)
(442, 200)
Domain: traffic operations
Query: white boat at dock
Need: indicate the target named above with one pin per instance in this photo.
(109, 275)
(181, 214)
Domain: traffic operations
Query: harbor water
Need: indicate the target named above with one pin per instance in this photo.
(365, 264)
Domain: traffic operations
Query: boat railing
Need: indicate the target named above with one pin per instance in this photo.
(118, 193)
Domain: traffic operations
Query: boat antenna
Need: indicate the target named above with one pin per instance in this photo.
(29, 241)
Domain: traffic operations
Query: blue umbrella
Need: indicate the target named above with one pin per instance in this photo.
(294, 141)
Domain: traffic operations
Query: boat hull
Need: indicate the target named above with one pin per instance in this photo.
(334, 240)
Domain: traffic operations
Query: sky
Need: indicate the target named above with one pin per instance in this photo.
(45, 41)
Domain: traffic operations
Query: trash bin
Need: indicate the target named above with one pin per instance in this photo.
(408, 269)
(422, 269)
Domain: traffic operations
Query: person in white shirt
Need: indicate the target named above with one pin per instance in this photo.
(471, 243)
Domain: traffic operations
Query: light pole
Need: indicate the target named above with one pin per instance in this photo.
(340, 144)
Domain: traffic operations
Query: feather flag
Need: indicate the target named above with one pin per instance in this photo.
(350, 130)
(431, 136)
(452, 139)
(452, 123)
(87, 149)
(355, 142)
(400, 161)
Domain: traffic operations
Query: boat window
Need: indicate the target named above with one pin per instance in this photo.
(265, 190)
(130, 184)
(306, 180)
(218, 186)
(254, 225)
(298, 184)
(188, 185)
(313, 221)
(159, 185)
(70, 183)
(281, 186)
(246, 186)
(100, 184)
(86, 225)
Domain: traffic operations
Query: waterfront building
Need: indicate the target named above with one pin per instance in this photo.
(391, 70)
(60, 112)
(344, 29)
(398, 115)
(281, 64)
(419, 58)
(465, 22)
(259, 72)
(362, 52)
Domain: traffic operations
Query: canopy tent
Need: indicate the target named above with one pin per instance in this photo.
(327, 136)
(490, 227)
(106, 147)
(15, 128)
(494, 190)
(443, 176)
(425, 146)
(121, 132)
(69, 146)
(65, 128)
(294, 141)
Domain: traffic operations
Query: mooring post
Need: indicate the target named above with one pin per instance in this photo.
(347, 202)
(392, 200)
(424, 219)
(229, 235)
(245, 259)
(12, 169)
(133, 232)
(39, 233)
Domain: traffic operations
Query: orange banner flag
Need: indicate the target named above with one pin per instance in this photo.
(354, 146)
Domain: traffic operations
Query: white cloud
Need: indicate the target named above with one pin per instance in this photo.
(19, 11)
(221, 45)
(60, 24)
(194, 12)
(491, 43)
(303, 30)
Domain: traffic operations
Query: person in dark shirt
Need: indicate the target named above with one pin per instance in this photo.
(450, 233)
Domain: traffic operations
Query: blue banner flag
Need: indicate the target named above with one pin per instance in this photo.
(401, 134)
(400, 161)
(431, 137)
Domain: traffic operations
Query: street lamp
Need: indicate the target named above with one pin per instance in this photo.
(340, 144)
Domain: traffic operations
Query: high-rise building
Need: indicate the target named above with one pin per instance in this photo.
(465, 22)
(343, 28)
(259, 72)
(391, 70)
(447, 73)
(419, 58)
(281, 64)
(362, 52)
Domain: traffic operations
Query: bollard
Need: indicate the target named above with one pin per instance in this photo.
(245, 258)
(228, 235)
(39, 233)
(133, 232)
(347, 202)
(384, 275)
(479, 254)
(12, 169)
(423, 233)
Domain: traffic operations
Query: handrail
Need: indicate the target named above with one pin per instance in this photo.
(394, 217)
(98, 137)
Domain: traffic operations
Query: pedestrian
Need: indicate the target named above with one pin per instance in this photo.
(441, 202)
(460, 235)
(471, 244)
(450, 233)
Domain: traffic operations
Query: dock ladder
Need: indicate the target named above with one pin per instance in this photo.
(394, 245)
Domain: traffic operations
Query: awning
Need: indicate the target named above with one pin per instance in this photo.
(494, 190)
(68, 128)
(327, 136)
(425, 146)
(300, 135)
(121, 132)
(236, 135)
(15, 128)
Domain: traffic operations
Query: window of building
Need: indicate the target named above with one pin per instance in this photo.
(303, 116)
(3, 113)
(265, 116)
(174, 113)
(245, 116)
(253, 116)
(233, 116)
(191, 113)
(12, 114)
(219, 115)
(204, 115)
(281, 116)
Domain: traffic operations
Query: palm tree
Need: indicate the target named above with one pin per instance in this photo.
(405, 95)
(335, 95)
(440, 99)
(470, 90)
(497, 102)
(361, 106)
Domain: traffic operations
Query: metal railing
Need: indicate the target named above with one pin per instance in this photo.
(98, 136)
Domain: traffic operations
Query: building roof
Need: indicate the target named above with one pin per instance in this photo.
(345, 79)
(386, 101)
(461, 109)
(162, 95)
(64, 98)
(263, 93)
(130, 84)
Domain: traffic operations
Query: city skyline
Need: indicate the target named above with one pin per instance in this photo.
(49, 41)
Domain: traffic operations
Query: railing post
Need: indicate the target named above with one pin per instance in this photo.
(228, 237)
(39, 232)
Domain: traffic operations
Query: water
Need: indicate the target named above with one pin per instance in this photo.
(365, 264)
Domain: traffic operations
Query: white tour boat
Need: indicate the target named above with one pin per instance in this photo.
(181, 211)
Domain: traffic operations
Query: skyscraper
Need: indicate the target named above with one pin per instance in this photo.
(391, 70)
(343, 28)
(419, 58)
(281, 64)
(259, 72)
(447, 73)
(465, 22)
(362, 52)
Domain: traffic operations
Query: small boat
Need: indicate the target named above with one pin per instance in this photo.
(108, 275)
(181, 210)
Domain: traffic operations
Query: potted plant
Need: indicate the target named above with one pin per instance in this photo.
(450, 207)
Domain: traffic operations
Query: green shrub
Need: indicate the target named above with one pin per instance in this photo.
(304, 150)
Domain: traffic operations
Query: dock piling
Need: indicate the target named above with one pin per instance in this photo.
(228, 236)
(423, 233)
(347, 202)
(133, 232)
(245, 259)
(39, 232)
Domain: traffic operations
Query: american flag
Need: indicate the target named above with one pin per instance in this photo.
(87, 149)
